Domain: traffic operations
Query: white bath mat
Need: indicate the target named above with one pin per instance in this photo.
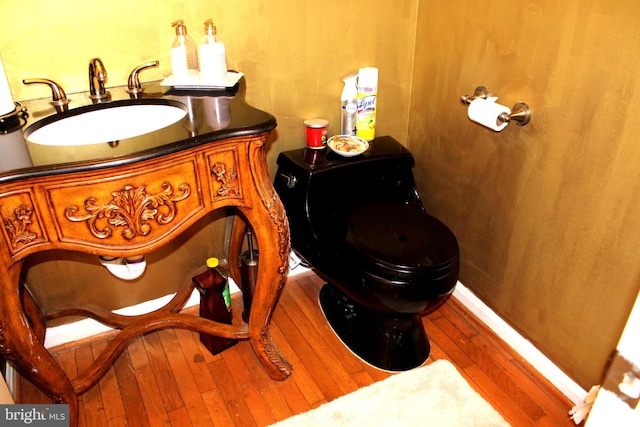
(435, 395)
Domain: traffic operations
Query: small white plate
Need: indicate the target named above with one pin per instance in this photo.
(347, 145)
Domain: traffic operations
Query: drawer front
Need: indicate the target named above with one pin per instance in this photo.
(131, 208)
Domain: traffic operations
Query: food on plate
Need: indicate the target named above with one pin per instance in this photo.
(348, 144)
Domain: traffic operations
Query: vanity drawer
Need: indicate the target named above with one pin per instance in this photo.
(135, 207)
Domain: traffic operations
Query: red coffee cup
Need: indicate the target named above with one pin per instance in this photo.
(316, 133)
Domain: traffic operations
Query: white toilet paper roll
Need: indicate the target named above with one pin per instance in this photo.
(6, 99)
(486, 112)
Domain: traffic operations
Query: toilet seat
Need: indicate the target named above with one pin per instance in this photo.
(402, 239)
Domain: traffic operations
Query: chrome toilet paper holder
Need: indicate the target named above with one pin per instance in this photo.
(520, 113)
(481, 92)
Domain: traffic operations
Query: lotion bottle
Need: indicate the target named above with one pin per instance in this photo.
(184, 55)
(367, 103)
(213, 57)
(349, 99)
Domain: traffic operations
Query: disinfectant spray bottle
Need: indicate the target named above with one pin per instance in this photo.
(349, 100)
(367, 103)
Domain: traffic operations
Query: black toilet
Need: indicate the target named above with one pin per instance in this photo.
(360, 224)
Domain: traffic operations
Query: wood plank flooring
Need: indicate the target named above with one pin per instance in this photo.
(166, 378)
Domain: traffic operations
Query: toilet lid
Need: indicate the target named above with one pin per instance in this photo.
(401, 237)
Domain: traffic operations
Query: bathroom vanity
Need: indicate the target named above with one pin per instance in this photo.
(127, 198)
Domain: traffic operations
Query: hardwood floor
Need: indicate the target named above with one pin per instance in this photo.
(167, 378)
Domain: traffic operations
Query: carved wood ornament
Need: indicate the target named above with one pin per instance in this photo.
(132, 208)
(18, 226)
(228, 178)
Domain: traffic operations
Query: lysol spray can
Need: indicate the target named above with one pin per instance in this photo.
(367, 103)
(349, 99)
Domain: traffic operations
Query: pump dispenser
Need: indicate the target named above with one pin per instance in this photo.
(349, 99)
(184, 55)
(213, 57)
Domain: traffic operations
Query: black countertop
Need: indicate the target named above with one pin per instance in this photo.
(211, 116)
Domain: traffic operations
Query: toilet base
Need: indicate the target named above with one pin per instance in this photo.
(388, 342)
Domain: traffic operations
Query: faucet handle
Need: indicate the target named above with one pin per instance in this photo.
(135, 89)
(60, 101)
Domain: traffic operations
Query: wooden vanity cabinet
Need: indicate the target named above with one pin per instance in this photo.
(131, 206)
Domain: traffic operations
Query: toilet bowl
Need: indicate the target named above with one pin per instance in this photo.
(360, 224)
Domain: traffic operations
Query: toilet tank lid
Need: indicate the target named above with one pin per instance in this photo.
(384, 147)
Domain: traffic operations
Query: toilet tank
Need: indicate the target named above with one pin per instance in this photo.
(315, 195)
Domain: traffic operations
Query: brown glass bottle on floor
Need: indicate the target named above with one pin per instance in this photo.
(211, 285)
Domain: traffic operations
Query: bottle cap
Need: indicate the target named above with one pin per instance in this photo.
(212, 262)
(368, 78)
(181, 29)
(209, 28)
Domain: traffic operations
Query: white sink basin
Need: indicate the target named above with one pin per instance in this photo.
(108, 122)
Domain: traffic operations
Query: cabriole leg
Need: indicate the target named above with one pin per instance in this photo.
(21, 346)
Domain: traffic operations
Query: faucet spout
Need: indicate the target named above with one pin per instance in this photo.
(97, 79)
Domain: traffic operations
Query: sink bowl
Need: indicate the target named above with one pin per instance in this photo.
(108, 122)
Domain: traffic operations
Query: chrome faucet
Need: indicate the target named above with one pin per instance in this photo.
(97, 78)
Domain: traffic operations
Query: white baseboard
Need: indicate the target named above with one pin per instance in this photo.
(8, 386)
(523, 347)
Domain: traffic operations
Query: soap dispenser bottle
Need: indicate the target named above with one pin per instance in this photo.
(213, 57)
(349, 98)
(184, 55)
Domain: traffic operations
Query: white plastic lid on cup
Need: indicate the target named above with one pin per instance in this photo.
(316, 123)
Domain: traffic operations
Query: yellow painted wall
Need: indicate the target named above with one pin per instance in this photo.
(548, 215)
